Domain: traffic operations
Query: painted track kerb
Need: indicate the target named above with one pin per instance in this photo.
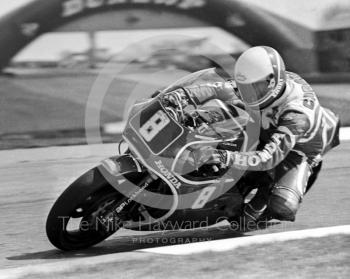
(233, 243)
(183, 249)
(344, 133)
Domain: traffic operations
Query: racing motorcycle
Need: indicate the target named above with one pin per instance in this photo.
(157, 182)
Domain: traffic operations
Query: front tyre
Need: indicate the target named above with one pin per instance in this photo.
(84, 214)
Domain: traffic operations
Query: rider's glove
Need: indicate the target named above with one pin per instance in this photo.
(177, 98)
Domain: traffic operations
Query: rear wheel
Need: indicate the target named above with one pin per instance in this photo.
(84, 214)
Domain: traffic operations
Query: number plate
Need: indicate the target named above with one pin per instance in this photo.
(154, 125)
(155, 128)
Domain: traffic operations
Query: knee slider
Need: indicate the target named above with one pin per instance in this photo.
(284, 203)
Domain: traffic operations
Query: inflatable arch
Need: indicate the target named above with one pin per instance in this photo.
(252, 25)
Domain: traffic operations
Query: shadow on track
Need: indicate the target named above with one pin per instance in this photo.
(131, 243)
(135, 242)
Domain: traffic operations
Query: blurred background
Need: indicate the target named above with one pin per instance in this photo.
(51, 53)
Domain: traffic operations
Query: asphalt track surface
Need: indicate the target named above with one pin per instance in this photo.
(32, 179)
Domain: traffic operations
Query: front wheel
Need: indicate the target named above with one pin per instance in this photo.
(84, 214)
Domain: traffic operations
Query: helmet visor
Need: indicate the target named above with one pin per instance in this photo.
(254, 93)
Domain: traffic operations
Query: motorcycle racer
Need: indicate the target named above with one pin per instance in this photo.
(296, 131)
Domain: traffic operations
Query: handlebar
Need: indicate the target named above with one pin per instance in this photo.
(188, 120)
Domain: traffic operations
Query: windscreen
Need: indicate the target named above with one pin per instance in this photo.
(210, 75)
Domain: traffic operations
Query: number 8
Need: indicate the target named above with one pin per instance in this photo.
(154, 125)
(203, 197)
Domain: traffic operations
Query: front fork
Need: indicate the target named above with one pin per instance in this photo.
(116, 170)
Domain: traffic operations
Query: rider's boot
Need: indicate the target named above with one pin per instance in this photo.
(252, 213)
(255, 209)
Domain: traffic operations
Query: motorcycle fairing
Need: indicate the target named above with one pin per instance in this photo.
(165, 152)
(153, 152)
(155, 128)
(157, 151)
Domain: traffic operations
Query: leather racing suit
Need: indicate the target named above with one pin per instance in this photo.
(296, 131)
